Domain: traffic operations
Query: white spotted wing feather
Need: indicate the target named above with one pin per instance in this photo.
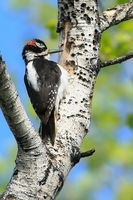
(62, 87)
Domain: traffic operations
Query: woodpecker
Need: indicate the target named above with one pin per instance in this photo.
(46, 83)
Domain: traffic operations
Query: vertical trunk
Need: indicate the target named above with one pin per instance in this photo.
(79, 37)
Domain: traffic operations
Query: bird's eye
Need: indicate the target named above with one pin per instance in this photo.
(39, 45)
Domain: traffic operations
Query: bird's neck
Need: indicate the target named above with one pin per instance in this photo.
(30, 56)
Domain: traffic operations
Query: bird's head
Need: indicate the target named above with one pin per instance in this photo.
(35, 48)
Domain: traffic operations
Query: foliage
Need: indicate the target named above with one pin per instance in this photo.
(109, 173)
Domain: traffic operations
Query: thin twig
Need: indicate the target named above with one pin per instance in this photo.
(87, 153)
(77, 155)
(116, 60)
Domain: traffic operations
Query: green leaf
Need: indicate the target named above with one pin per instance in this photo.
(129, 120)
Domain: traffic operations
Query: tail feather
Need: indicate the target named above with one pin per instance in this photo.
(48, 130)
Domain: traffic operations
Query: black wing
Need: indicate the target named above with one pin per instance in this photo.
(43, 100)
(49, 75)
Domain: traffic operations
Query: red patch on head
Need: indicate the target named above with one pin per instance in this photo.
(31, 42)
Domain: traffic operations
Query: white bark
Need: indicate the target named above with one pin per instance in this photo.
(41, 169)
(15, 114)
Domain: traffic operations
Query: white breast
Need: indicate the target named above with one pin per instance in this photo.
(32, 76)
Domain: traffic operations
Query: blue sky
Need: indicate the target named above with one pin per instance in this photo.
(16, 29)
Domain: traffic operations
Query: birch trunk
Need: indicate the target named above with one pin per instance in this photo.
(41, 169)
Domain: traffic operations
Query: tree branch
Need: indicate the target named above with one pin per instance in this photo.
(116, 60)
(87, 153)
(42, 176)
(41, 172)
(14, 113)
(115, 15)
(77, 155)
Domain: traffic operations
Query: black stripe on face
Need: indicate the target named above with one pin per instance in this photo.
(37, 48)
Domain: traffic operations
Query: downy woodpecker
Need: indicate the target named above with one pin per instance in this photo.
(46, 83)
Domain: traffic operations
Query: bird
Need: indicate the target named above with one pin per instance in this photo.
(46, 83)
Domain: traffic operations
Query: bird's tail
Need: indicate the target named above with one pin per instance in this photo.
(48, 130)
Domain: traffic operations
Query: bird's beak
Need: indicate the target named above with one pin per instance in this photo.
(54, 51)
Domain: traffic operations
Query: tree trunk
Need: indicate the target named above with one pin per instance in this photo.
(41, 169)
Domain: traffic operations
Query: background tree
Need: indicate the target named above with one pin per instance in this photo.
(107, 120)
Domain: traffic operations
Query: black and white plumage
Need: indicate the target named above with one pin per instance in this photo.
(46, 84)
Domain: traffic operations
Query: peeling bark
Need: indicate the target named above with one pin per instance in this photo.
(41, 169)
